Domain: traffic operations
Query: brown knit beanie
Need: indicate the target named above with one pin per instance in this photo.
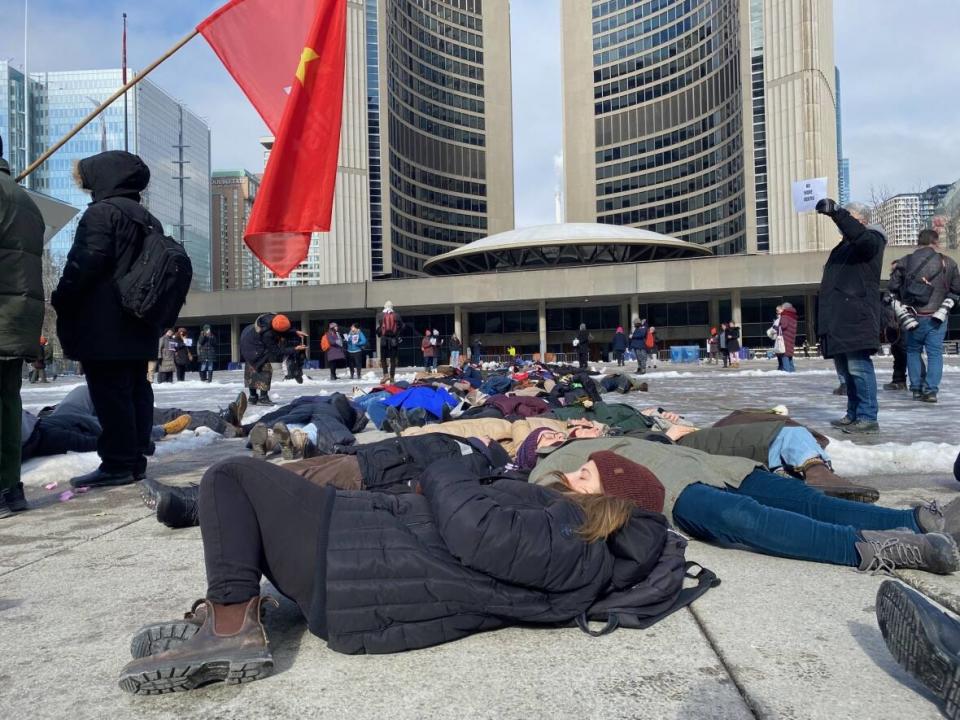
(628, 480)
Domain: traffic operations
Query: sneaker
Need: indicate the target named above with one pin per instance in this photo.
(205, 658)
(933, 517)
(259, 436)
(923, 639)
(266, 401)
(100, 478)
(862, 427)
(842, 422)
(177, 425)
(15, 499)
(895, 386)
(888, 550)
(929, 398)
(917, 394)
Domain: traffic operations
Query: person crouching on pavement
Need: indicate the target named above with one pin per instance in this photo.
(261, 344)
(379, 573)
(848, 315)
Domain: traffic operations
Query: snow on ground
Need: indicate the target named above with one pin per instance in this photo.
(915, 438)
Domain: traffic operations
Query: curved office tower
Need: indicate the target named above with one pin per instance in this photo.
(692, 118)
(446, 128)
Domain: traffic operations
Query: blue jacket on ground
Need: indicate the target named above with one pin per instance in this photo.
(429, 399)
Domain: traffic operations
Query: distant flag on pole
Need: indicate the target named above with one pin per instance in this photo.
(288, 58)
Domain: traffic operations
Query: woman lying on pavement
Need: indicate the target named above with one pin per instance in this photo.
(735, 501)
(378, 573)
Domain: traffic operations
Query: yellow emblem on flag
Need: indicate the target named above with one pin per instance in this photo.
(308, 55)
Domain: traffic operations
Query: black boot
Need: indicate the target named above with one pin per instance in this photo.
(16, 500)
(254, 398)
(177, 506)
(99, 478)
(923, 639)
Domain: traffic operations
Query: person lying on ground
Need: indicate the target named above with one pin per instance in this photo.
(393, 465)
(379, 573)
(773, 439)
(313, 423)
(736, 501)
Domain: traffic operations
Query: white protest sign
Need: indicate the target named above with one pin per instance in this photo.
(806, 193)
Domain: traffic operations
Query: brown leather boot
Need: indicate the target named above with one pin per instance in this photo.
(158, 637)
(207, 657)
(817, 474)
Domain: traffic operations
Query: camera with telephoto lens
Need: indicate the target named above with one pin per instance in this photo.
(944, 310)
(906, 315)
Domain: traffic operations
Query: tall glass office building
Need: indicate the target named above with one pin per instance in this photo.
(174, 142)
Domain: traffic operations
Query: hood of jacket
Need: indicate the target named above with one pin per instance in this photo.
(878, 229)
(114, 173)
(4, 166)
(636, 547)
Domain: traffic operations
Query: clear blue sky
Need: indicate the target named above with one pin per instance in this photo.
(898, 62)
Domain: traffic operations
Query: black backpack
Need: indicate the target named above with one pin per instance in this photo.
(655, 597)
(155, 287)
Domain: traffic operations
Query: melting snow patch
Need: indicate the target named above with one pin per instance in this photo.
(922, 458)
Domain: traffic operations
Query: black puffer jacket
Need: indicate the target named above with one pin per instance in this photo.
(207, 348)
(848, 317)
(410, 571)
(91, 324)
(21, 280)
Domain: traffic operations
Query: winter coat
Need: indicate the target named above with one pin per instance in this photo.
(410, 571)
(509, 435)
(638, 337)
(428, 350)
(456, 345)
(733, 339)
(511, 405)
(676, 467)
(91, 324)
(166, 354)
(748, 416)
(945, 276)
(389, 341)
(788, 329)
(21, 253)
(619, 342)
(618, 415)
(207, 348)
(260, 348)
(476, 350)
(184, 354)
(583, 342)
(848, 316)
(359, 344)
(430, 399)
(336, 352)
(396, 464)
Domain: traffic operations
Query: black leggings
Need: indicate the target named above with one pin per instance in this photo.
(258, 519)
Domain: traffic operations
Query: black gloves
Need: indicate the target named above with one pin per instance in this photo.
(827, 207)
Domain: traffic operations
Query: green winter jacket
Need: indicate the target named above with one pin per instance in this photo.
(616, 415)
(750, 441)
(21, 281)
(675, 466)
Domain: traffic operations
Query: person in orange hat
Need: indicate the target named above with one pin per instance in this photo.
(39, 365)
(270, 338)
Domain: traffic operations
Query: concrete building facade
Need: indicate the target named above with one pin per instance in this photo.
(232, 196)
(446, 131)
(693, 118)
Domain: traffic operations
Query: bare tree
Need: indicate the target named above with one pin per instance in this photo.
(52, 269)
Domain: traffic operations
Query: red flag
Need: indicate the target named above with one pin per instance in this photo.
(259, 42)
(296, 196)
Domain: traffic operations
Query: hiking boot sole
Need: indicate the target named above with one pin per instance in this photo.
(159, 637)
(915, 646)
(175, 676)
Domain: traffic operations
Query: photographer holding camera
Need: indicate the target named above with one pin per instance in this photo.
(925, 286)
(848, 318)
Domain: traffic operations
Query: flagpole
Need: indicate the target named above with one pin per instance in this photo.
(105, 104)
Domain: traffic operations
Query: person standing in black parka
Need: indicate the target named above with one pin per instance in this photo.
(93, 327)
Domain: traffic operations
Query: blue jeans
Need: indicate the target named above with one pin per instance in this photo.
(206, 366)
(793, 446)
(928, 336)
(788, 365)
(861, 381)
(373, 405)
(784, 517)
(455, 358)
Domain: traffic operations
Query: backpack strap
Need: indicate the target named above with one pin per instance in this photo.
(706, 579)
